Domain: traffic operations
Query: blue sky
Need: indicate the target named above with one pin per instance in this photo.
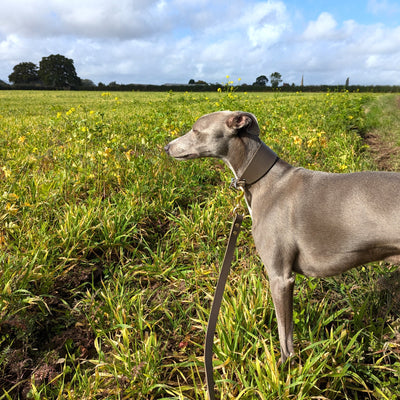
(173, 41)
(362, 11)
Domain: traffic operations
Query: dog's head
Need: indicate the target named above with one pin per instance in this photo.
(211, 134)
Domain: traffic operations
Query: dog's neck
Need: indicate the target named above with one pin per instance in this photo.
(240, 152)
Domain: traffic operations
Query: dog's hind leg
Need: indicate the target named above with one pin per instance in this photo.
(282, 296)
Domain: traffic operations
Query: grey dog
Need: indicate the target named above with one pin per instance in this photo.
(307, 222)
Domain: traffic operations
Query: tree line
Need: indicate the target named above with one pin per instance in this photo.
(55, 71)
(261, 81)
(58, 72)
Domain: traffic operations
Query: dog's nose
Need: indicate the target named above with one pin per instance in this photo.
(166, 148)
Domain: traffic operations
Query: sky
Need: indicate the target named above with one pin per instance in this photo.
(173, 41)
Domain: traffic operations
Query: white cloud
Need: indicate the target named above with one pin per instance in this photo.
(266, 22)
(10, 43)
(381, 40)
(323, 28)
(89, 18)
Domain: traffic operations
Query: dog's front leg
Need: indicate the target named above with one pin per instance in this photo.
(282, 296)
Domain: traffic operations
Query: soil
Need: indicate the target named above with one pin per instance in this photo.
(40, 342)
(383, 152)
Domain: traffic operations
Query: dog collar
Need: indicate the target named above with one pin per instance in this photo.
(259, 165)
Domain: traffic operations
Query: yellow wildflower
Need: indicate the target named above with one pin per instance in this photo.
(129, 154)
(106, 153)
(297, 140)
(311, 142)
(11, 208)
(6, 172)
(2, 244)
(12, 197)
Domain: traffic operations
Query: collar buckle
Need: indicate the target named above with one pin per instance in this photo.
(237, 184)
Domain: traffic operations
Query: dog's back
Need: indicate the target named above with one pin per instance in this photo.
(332, 222)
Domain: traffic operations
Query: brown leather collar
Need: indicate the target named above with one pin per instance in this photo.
(259, 165)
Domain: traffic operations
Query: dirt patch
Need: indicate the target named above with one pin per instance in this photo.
(29, 363)
(40, 343)
(383, 141)
(389, 286)
(382, 152)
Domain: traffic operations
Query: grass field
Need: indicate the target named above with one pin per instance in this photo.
(110, 252)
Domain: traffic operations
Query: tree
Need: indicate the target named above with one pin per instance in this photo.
(24, 73)
(58, 71)
(276, 79)
(88, 83)
(199, 82)
(3, 85)
(262, 80)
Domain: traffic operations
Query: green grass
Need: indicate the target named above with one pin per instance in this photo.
(110, 252)
(384, 117)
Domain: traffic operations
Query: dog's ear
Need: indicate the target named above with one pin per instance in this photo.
(243, 121)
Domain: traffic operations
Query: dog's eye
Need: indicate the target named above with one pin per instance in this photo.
(196, 132)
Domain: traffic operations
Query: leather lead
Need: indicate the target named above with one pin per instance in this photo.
(260, 164)
(219, 292)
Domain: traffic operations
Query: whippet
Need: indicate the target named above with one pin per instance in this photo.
(312, 223)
